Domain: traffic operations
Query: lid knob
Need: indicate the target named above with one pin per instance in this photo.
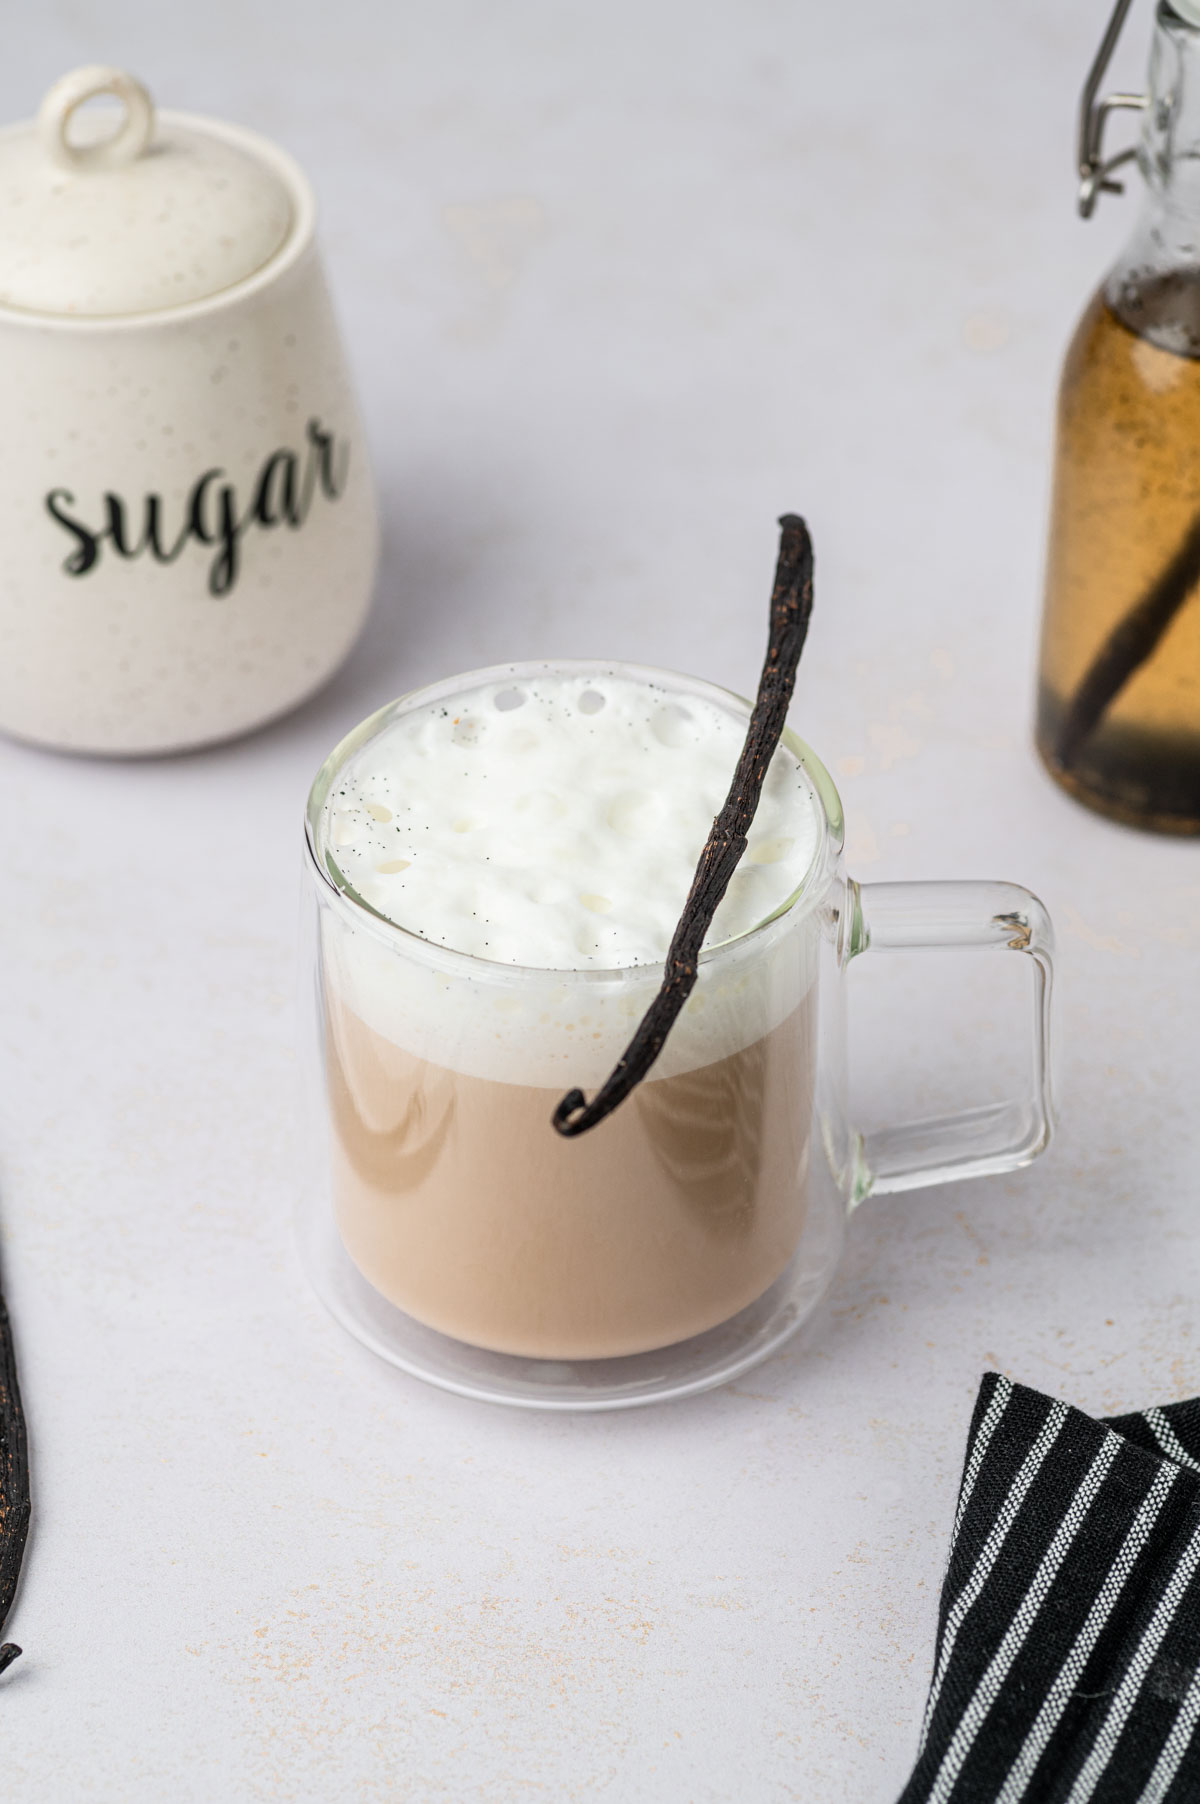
(91, 229)
(130, 138)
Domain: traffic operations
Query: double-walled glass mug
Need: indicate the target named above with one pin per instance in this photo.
(686, 1237)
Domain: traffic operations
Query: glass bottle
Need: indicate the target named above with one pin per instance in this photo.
(1119, 693)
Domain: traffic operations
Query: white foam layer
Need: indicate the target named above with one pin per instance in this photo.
(556, 822)
(515, 876)
(556, 1029)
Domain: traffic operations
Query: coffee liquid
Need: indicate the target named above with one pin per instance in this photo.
(459, 1205)
(1122, 607)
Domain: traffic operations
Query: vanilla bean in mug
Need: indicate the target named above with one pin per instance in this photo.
(727, 841)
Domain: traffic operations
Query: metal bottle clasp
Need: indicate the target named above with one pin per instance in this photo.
(1095, 173)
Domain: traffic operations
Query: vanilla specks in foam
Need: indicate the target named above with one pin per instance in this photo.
(557, 822)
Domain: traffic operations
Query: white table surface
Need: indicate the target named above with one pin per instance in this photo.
(621, 283)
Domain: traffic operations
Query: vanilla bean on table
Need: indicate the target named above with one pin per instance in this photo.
(791, 606)
(14, 1481)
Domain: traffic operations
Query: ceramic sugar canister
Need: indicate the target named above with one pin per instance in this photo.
(188, 535)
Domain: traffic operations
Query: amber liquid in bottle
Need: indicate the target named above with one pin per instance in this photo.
(1119, 695)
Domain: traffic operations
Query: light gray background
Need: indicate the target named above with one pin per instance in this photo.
(620, 283)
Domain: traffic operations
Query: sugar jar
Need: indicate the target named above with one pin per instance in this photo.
(186, 506)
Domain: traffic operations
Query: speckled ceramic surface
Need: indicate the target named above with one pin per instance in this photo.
(185, 501)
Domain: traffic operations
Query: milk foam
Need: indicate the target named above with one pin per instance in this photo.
(508, 821)
(556, 822)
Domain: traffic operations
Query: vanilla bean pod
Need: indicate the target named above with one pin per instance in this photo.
(14, 1481)
(1131, 643)
(791, 606)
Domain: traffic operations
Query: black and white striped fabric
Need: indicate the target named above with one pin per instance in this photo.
(1068, 1652)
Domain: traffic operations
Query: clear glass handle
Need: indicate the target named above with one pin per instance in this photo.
(983, 917)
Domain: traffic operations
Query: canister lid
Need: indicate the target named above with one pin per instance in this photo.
(165, 211)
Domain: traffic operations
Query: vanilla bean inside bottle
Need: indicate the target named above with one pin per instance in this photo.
(1119, 694)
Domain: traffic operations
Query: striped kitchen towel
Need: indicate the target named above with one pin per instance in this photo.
(1067, 1668)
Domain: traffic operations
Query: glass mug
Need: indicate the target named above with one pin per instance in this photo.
(683, 1240)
